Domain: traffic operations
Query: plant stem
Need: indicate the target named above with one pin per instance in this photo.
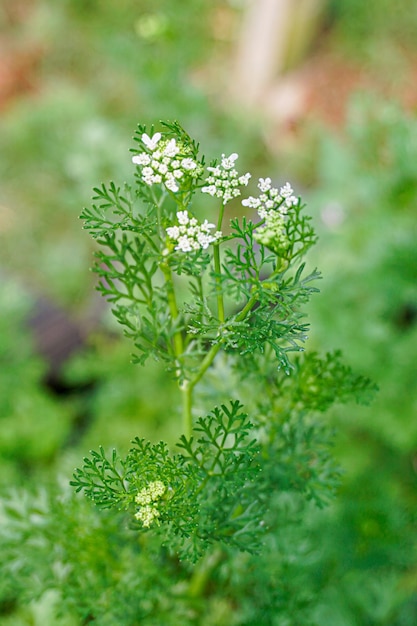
(205, 364)
(187, 386)
(173, 308)
(209, 358)
(217, 270)
(186, 389)
(247, 307)
(201, 575)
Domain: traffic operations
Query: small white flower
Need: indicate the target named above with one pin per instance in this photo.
(251, 202)
(229, 162)
(151, 142)
(244, 180)
(171, 149)
(188, 164)
(173, 232)
(204, 240)
(291, 201)
(147, 171)
(141, 159)
(184, 244)
(171, 183)
(182, 217)
(210, 189)
(206, 227)
(264, 184)
(286, 191)
(162, 168)
(216, 171)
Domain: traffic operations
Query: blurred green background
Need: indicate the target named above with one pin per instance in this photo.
(76, 76)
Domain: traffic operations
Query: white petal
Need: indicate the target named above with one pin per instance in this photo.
(150, 142)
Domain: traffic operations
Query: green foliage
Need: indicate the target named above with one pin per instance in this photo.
(375, 284)
(370, 266)
(64, 562)
(208, 494)
(318, 383)
(222, 487)
(361, 24)
(215, 532)
(134, 245)
(32, 423)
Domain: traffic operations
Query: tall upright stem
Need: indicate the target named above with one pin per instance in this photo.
(178, 347)
(186, 389)
(217, 270)
(178, 344)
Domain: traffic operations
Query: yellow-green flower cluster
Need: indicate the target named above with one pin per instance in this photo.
(272, 234)
(147, 498)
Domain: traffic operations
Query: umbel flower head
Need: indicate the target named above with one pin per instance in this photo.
(270, 199)
(224, 180)
(189, 235)
(272, 206)
(272, 234)
(146, 498)
(162, 162)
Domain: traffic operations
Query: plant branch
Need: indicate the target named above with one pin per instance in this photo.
(217, 270)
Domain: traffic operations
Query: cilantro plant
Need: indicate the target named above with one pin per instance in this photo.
(220, 304)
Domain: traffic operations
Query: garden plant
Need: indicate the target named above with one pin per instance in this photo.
(220, 527)
(220, 304)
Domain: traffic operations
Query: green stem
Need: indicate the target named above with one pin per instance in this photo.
(202, 572)
(185, 387)
(219, 293)
(187, 402)
(173, 308)
(252, 300)
(217, 271)
(158, 203)
(205, 364)
(211, 354)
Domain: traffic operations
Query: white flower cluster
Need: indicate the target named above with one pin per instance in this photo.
(271, 199)
(146, 498)
(162, 163)
(224, 180)
(189, 235)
